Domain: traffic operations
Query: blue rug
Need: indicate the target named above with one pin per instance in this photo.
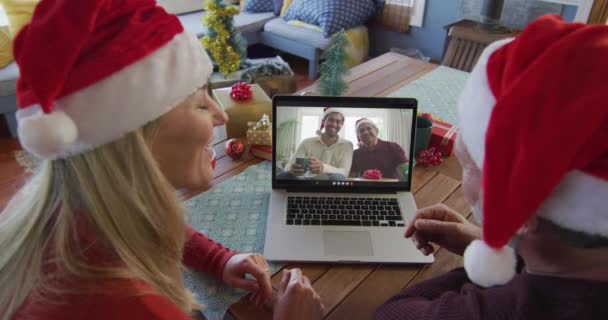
(234, 214)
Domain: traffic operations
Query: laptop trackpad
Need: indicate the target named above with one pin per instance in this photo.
(347, 243)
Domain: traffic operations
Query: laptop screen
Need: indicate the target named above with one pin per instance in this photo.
(343, 143)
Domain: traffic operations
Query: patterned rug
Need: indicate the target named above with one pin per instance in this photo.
(437, 92)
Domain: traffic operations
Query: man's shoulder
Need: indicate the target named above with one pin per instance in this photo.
(311, 140)
(345, 142)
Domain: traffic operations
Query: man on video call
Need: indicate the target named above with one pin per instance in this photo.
(324, 157)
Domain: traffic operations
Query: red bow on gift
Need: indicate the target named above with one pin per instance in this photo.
(372, 174)
(241, 91)
(430, 156)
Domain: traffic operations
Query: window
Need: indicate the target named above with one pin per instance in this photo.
(417, 17)
(583, 10)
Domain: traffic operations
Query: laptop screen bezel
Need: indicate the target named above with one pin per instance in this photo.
(343, 102)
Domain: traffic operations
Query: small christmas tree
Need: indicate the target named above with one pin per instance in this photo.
(224, 42)
(334, 67)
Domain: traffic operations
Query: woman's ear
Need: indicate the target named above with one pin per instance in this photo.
(530, 227)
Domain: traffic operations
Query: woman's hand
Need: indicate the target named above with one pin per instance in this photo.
(442, 226)
(254, 264)
(296, 298)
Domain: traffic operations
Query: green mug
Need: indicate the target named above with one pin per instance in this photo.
(423, 135)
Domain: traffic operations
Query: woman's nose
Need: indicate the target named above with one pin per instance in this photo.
(219, 116)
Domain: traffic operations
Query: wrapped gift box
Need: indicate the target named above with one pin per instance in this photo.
(263, 152)
(259, 137)
(241, 112)
(443, 136)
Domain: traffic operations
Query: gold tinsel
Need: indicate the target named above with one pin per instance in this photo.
(227, 59)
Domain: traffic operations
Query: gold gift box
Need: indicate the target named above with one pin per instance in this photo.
(259, 137)
(241, 112)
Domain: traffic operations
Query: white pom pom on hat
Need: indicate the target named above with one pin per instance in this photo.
(48, 134)
(515, 110)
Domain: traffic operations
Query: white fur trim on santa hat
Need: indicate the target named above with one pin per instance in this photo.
(362, 122)
(578, 203)
(488, 267)
(476, 104)
(129, 98)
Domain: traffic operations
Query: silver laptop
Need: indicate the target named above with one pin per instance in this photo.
(357, 208)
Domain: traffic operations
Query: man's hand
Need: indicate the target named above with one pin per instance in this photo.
(297, 170)
(316, 166)
(442, 226)
(254, 264)
(296, 298)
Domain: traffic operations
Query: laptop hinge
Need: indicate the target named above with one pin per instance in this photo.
(341, 191)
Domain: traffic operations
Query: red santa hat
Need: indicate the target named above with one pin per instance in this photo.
(92, 71)
(533, 118)
(326, 112)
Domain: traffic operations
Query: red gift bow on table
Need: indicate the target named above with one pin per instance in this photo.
(234, 148)
(241, 91)
(372, 174)
(430, 156)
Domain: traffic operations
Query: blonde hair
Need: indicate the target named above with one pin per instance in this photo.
(117, 189)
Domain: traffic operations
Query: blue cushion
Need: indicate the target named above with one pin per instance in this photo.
(331, 15)
(278, 4)
(259, 6)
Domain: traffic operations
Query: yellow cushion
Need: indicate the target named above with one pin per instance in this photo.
(286, 4)
(19, 13)
(6, 52)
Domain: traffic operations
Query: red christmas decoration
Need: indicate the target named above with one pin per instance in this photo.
(234, 148)
(374, 174)
(430, 156)
(241, 91)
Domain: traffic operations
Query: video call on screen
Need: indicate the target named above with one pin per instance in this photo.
(377, 152)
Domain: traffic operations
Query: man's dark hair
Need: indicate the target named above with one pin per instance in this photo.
(578, 239)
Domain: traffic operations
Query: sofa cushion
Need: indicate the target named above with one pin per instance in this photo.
(303, 35)
(181, 6)
(258, 6)
(8, 79)
(246, 22)
(331, 15)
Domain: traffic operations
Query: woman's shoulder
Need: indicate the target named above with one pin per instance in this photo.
(110, 299)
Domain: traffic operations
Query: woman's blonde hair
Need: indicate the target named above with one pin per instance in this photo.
(119, 191)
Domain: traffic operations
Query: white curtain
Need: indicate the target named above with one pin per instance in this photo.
(287, 120)
(399, 128)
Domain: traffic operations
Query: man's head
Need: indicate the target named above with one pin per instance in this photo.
(522, 157)
(333, 120)
(367, 131)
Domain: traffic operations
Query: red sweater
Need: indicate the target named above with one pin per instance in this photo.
(200, 253)
(453, 297)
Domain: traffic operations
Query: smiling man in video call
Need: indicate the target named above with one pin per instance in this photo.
(374, 153)
(328, 156)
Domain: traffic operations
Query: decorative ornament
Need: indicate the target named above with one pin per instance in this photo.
(234, 148)
(373, 174)
(263, 124)
(224, 42)
(430, 156)
(241, 91)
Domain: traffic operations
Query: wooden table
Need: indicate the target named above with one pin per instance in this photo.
(356, 291)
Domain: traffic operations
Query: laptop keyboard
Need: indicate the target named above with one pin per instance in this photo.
(339, 211)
